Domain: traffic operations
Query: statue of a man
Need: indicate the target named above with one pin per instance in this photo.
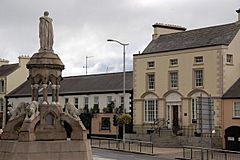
(46, 33)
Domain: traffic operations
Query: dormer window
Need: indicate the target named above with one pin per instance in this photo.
(151, 64)
(173, 62)
(229, 59)
(198, 60)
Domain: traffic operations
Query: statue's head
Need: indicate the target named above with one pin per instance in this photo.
(46, 13)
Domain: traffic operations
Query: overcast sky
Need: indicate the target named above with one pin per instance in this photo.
(81, 28)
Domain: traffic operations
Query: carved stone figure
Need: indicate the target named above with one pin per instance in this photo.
(72, 110)
(32, 110)
(18, 111)
(46, 33)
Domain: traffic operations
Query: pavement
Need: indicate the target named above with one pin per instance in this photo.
(170, 153)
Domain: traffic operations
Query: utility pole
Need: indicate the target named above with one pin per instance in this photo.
(86, 64)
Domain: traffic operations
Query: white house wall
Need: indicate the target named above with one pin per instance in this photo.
(102, 100)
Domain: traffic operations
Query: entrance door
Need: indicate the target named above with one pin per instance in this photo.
(175, 116)
(232, 138)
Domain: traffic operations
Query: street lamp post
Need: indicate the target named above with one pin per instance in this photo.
(124, 79)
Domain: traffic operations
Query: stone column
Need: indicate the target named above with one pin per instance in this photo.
(54, 93)
(35, 92)
(57, 93)
(45, 93)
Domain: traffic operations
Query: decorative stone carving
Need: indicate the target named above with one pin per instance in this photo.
(46, 33)
(32, 111)
(18, 111)
(72, 110)
(32, 125)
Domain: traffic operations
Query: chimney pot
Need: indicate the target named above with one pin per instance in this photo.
(238, 11)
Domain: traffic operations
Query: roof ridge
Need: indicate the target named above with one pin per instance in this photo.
(197, 29)
(100, 74)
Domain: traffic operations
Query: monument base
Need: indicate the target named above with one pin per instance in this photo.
(45, 150)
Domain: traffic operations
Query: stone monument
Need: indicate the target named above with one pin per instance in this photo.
(37, 131)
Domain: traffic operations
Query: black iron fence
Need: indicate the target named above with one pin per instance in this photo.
(200, 153)
(118, 144)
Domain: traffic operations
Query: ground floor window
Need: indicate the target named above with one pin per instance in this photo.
(1, 104)
(150, 110)
(105, 125)
(194, 110)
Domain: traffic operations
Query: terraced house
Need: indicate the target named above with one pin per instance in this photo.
(178, 66)
(11, 76)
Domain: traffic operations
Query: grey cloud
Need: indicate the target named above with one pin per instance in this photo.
(81, 28)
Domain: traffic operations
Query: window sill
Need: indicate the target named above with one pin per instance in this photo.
(229, 64)
(173, 89)
(198, 87)
(173, 66)
(235, 117)
(150, 68)
(198, 64)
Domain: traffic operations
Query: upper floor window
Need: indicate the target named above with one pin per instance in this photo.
(236, 109)
(2, 86)
(198, 60)
(151, 64)
(150, 110)
(198, 78)
(173, 62)
(76, 102)
(151, 81)
(229, 59)
(173, 76)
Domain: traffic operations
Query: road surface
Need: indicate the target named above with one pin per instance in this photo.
(102, 154)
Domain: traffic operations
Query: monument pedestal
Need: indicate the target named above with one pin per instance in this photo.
(39, 130)
(45, 150)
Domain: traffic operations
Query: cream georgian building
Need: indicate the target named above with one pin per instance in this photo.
(11, 76)
(178, 66)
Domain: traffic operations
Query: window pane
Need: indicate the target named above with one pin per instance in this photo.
(151, 81)
(236, 111)
(229, 58)
(76, 102)
(173, 62)
(109, 99)
(96, 100)
(151, 64)
(198, 59)
(86, 101)
(1, 85)
(198, 78)
(105, 125)
(150, 110)
(173, 79)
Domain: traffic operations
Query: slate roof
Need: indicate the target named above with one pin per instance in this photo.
(203, 37)
(233, 92)
(90, 84)
(7, 69)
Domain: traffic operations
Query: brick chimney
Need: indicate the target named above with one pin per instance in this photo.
(238, 11)
(161, 29)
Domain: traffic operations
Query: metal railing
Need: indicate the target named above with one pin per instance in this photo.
(200, 153)
(156, 127)
(118, 144)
